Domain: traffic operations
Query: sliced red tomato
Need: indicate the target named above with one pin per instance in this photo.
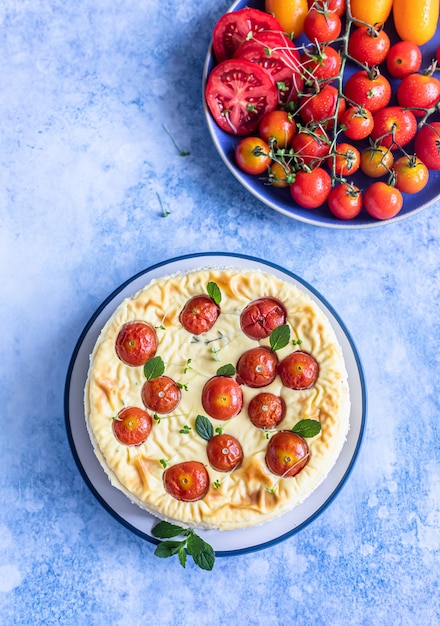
(234, 27)
(276, 53)
(239, 93)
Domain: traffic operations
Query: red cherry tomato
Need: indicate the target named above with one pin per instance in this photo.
(132, 426)
(222, 397)
(187, 481)
(278, 126)
(404, 58)
(199, 314)
(234, 27)
(287, 454)
(345, 160)
(337, 6)
(369, 45)
(320, 63)
(266, 410)
(161, 394)
(311, 189)
(252, 155)
(276, 54)
(298, 370)
(321, 25)
(136, 343)
(322, 106)
(238, 94)
(345, 201)
(369, 89)
(382, 201)
(393, 127)
(418, 90)
(358, 123)
(427, 145)
(224, 453)
(260, 317)
(257, 367)
(411, 174)
(311, 147)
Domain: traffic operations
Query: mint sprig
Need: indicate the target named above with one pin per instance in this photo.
(214, 292)
(307, 428)
(201, 552)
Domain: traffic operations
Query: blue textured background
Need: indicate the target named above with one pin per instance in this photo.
(85, 91)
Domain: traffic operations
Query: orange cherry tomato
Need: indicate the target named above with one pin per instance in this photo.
(416, 20)
(278, 126)
(266, 410)
(290, 14)
(287, 454)
(222, 397)
(136, 343)
(371, 11)
(161, 394)
(376, 161)
(279, 175)
(298, 370)
(257, 367)
(224, 452)
(411, 174)
(252, 155)
(187, 481)
(132, 426)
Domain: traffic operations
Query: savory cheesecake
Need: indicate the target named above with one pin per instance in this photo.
(217, 398)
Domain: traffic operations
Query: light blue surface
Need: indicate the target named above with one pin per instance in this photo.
(86, 89)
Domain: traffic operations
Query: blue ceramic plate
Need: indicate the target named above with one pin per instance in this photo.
(280, 199)
(136, 519)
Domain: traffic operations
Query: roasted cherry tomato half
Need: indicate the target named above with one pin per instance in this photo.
(266, 410)
(224, 452)
(298, 370)
(132, 426)
(257, 367)
(238, 94)
(161, 394)
(252, 155)
(199, 314)
(222, 397)
(287, 454)
(382, 201)
(260, 317)
(136, 343)
(187, 481)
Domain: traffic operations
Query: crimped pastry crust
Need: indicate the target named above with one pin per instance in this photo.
(250, 495)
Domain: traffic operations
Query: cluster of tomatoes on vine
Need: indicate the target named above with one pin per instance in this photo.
(222, 395)
(309, 126)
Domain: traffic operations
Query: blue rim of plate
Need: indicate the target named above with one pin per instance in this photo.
(226, 255)
(279, 199)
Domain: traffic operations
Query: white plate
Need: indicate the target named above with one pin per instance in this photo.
(141, 522)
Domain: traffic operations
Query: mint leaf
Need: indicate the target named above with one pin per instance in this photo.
(204, 427)
(214, 292)
(165, 530)
(307, 428)
(226, 370)
(279, 337)
(168, 548)
(201, 552)
(154, 367)
(182, 557)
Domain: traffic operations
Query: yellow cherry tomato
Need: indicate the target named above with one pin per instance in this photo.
(416, 20)
(290, 14)
(371, 11)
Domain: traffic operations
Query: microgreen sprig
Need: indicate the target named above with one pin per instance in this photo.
(201, 552)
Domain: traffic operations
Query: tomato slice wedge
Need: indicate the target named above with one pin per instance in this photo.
(234, 27)
(276, 53)
(239, 93)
